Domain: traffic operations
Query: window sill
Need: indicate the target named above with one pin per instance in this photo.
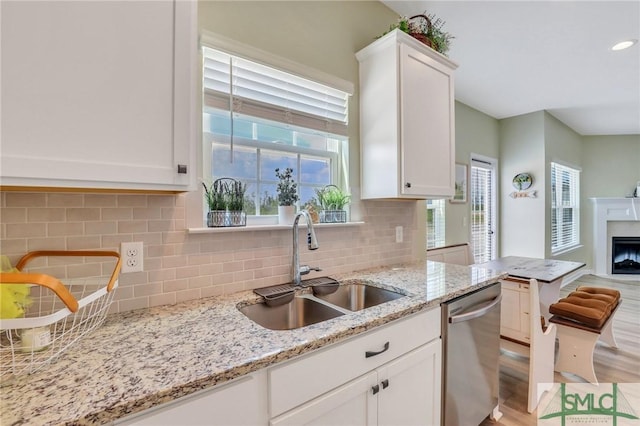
(258, 228)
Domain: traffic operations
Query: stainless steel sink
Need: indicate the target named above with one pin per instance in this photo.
(299, 312)
(355, 297)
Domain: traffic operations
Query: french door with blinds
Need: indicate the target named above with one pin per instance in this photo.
(483, 208)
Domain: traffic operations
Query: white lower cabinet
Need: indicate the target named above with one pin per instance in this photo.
(514, 314)
(351, 404)
(405, 391)
(242, 402)
(391, 388)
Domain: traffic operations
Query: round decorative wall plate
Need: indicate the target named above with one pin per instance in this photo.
(522, 181)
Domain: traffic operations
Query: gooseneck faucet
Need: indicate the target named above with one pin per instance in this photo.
(312, 244)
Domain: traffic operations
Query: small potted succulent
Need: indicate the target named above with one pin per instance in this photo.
(332, 201)
(287, 196)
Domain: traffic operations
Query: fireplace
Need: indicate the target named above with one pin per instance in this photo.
(625, 255)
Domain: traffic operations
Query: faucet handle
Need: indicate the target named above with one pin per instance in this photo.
(305, 269)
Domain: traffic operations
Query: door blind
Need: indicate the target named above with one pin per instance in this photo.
(482, 199)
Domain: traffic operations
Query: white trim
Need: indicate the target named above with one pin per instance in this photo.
(233, 47)
(274, 227)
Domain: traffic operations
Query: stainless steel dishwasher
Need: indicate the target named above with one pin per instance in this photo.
(471, 344)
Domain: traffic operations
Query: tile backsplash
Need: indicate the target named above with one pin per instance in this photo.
(180, 266)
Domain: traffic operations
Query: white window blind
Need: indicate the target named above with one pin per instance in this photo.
(261, 91)
(435, 223)
(565, 212)
(482, 211)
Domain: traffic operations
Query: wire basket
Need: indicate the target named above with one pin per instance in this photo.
(59, 314)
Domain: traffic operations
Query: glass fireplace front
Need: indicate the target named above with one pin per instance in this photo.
(625, 254)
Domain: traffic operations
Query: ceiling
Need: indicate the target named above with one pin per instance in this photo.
(517, 57)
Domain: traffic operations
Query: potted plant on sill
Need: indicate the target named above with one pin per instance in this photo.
(332, 201)
(235, 191)
(225, 199)
(287, 196)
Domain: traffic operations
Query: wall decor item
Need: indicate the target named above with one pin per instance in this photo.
(522, 181)
(460, 194)
(524, 194)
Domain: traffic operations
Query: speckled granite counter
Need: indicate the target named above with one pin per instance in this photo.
(143, 358)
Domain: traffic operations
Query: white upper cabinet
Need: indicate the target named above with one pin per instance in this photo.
(407, 126)
(99, 94)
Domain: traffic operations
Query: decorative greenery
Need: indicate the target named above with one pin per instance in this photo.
(225, 194)
(287, 188)
(332, 198)
(440, 39)
(235, 195)
(214, 195)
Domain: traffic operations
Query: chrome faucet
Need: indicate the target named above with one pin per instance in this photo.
(298, 270)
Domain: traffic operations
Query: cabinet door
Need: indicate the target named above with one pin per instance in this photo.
(426, 125)
(240, 403)
(410, 388)
(353, 404)
(98, 94)
(510, 318)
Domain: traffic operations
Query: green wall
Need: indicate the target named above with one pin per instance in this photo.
(476, 133)
(522, 220)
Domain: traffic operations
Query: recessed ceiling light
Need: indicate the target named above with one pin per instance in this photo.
(624, 44)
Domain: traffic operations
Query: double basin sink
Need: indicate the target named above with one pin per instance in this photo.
(327, 301)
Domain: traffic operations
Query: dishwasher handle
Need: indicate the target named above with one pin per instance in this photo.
(475, 313)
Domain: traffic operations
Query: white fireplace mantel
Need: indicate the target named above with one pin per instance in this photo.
(608, 210)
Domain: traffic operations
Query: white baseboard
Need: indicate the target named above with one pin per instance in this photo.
(568, 279)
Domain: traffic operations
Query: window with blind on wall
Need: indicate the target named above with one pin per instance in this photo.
(257, 118)
(565, 203)
(435, 223)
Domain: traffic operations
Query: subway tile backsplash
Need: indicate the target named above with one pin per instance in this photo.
(179, 266)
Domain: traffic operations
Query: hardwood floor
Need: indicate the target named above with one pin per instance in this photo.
(621, 365)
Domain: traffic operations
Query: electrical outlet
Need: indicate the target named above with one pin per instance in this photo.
(398, 234)
(132, 257)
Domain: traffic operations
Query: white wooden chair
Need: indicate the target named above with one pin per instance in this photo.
(541, 350)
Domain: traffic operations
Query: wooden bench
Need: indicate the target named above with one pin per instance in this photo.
(583, 318)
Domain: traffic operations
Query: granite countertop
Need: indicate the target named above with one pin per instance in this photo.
(143, 358)
(545, 270)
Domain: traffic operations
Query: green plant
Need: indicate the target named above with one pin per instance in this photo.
(235, 195)
(225, 194)
(287, 188)
(332, 198)
(432, 30)
(214, 195)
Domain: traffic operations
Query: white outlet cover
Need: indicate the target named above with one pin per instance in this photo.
(132, 256)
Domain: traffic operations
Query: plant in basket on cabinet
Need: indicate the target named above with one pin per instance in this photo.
(287, 196)
(426, 28)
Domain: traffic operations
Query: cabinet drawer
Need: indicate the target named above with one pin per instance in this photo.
(304, 378)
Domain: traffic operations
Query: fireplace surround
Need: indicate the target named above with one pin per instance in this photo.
(625, 255)
(619, 217)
